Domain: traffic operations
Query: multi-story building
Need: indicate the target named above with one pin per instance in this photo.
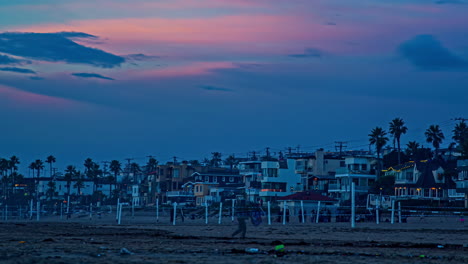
(421, 180)
(462, 180)
(360, 170)
(318, 169)
(251, 173)
(279, 179)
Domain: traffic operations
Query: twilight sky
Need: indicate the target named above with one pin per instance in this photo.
(113, 79)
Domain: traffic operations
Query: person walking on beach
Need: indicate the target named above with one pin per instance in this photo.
(242, 228)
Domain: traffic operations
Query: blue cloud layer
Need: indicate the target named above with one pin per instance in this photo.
(308, 53)
(18, 70)
(214, 88)
(427, 53)
(91, 75)
(56, 47)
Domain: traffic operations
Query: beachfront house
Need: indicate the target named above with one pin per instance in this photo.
(358, 169)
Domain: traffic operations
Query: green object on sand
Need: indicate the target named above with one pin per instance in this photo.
(279, 248)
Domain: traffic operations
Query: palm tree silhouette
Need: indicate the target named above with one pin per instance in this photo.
(435, 136)
(397, 128)
(70, 173)
(460, 133)
(378, 138)
(412, 148)
(51, 159)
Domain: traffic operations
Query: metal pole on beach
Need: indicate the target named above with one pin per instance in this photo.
(31, 209)
(220, 212)
(61, 211)
(399, 212)
(232, 214)
(6, 212)
(302, 212)
(206, 213)
(353, 206)
(269, 214)
(117, 210)
(38, 210)
(377, 216)
(284, 212)
(318, 212)
(175, 214)
(68, 204)
(133, 208)
(120, 212)
(157, 210)
(393, 211)
(90, 211)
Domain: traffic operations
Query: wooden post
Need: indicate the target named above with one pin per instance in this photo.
(353, 205)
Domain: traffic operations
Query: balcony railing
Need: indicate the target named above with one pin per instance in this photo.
(179, 194)
(351, 171)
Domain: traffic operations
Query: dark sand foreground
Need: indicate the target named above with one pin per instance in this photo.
(102, 241)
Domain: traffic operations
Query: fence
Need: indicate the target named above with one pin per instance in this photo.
(124, 213)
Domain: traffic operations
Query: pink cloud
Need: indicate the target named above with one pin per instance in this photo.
(193, 69)
(15, 98)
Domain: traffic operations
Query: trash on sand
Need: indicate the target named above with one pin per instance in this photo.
(22, 242)
(251, 250)
(124, 251)
(440, 246)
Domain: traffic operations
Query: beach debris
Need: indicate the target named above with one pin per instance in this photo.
(22, 242)
(278, 248)
(48, 240)
(440, 246)
(124, 251)
(251, 250)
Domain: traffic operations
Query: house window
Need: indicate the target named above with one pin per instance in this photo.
(409, 175)
(201, 188)
(215, 179)
(364, 166)
(224, 179)
(176, 173)
(342, 164)
(231, 179)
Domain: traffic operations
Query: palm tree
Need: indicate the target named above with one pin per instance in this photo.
(435, 136)
(397, 128)
(39, 167)
(79, 181)
(412, 148)
(4, 165)
(50, 160)
(115, 167)
(460, 133)
(88, 164)
(13, 162)
(134, 168)
(51, 190)
(151, 165)
(215, 159)
(70, 173)
(231, 161)
(378, 138)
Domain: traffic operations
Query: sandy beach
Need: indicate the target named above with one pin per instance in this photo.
(143, 240)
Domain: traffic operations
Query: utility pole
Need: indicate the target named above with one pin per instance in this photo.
(340, 145)
(268, 153)
(254, 155)
(175, 160)
(128, 167)
(105, 167)
(460, 119)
